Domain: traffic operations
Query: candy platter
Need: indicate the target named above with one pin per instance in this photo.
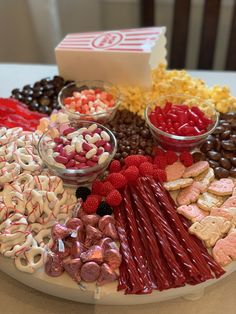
(63, 287)
(107, 294)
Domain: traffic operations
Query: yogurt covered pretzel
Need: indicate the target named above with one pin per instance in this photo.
(9, 135)
(15, 235)
(30, 264)
(8, 172)
(27, 160)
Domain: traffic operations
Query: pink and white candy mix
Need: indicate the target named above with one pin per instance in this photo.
(80, 148)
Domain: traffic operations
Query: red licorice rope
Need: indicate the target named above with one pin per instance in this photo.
(161, 236)
(135, 280)
(182, 234)
(135, 243)
(187, 266)
(156, 260)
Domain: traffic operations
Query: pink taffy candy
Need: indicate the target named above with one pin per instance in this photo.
(62, 252)
(105, 220)
(106, 275)
(53, 266)
(80, 234)
(93, 235)
(72, 267)
(94, 253)
(110, 231)
(90, 271)
(91, 220)
(60, 231)
(76, 249)
(113, 258)
(106, 243)
(73, 223)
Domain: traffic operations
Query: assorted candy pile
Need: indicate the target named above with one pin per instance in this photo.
(132, 134)
(86, 249)
(180, 119)
(154, 220)
(89, 101)
(42, 95)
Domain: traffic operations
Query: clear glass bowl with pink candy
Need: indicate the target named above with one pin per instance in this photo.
(77, 152)
(181, 122)
(90, 100)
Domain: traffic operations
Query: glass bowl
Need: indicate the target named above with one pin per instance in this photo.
(101, 117)
(74, 177)
(177, 142)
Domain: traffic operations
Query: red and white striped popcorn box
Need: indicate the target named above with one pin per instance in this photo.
(120, 57)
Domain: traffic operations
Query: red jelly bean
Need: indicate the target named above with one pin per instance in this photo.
(71, 163)
(100, 143)
(68, 131)
(61, 159)
(107, 147)
(58, 140)
(91, 163)
(80, 158)
(86, 146)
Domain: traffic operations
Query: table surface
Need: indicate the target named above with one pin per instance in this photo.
(18, 298)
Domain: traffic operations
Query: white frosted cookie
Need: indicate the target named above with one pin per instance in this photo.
(206, 177)
(207, 201)
(178, 184)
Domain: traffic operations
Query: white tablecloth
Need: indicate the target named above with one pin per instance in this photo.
(17, 298)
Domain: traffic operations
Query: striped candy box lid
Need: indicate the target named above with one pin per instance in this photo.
(134, 40)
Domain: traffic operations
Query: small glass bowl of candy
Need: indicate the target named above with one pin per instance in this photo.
(90, 100)
(181, 122)
(77, 152)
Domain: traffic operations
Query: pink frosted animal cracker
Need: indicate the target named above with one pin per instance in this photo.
(190, 194)
(210, 229)
(192, 212)
(222, 187)
(230, 202)
(196, 169)
(175, 171)
(225, 249)
(221, 212)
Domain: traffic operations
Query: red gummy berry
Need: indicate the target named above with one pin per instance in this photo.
(171, 157)
(115, 166)
(146, 168)
(132, 160)
(96, 187)
(118, 180)
(91, 204)
(160, 161)
(106, 188)
(160, 175)
(186, 158)
(131, 173)
(114, 198)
